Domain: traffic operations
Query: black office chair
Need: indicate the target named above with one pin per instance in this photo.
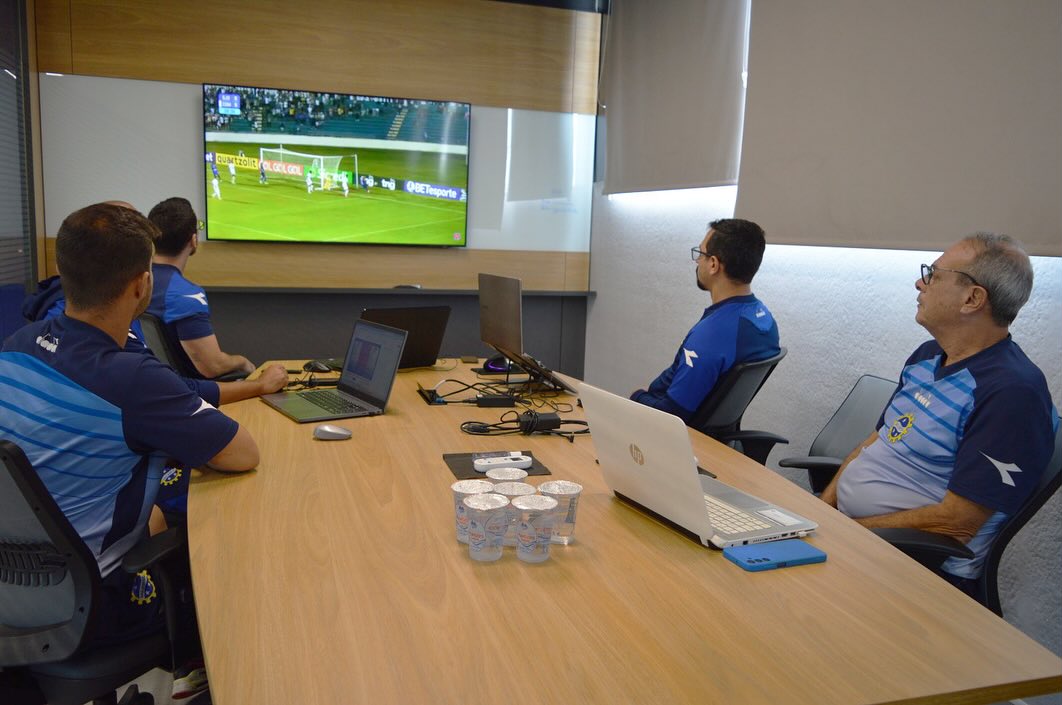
(49, 588)
(850, 425)
(158, 340)
(931, 550)
(719, 416)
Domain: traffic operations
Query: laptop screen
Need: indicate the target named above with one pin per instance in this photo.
(371, 362)
(500, 309)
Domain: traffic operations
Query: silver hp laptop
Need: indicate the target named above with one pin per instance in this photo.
(646, 458)
(364, 382)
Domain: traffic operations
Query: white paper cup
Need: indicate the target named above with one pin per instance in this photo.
(512, 490)
(486, 525)
(567, 495)
(498, 475)
(535, 526)
(462, 489)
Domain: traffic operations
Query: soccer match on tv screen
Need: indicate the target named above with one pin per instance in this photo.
(301, 166)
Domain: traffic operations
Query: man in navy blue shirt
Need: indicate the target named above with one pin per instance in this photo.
(49, 301)
(180, 304)
(735, 328)
(100, 423)
(970, 428)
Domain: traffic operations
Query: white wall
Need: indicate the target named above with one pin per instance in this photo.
(142, 141)
(841, 313)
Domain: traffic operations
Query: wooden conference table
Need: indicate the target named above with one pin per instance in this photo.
(331, 575)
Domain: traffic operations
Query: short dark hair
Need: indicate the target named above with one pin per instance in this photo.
(739, 245)
(177, 222)
(99, 250)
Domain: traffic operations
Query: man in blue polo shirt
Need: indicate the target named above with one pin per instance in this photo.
(970, 428)
(180, 304)
(735, 328)
(100, 423)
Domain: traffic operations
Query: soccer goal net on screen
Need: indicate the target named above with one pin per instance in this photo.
(325, 169)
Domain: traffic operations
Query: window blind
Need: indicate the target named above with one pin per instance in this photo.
(672, 93)
(904, 124)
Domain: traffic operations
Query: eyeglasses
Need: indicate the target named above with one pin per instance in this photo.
(696, 253)
(929, 269)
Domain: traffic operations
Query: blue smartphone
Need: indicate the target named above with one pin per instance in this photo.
(774, 554)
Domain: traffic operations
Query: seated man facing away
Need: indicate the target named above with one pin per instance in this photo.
(49, 301)
(735, 328)
(178, 303)
(100, 423)
(966, 436)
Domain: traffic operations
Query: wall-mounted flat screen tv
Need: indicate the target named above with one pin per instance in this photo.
(301, 166)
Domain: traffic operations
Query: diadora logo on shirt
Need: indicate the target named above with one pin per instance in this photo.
(760, 313)
(1005, 469)
(900, 427)
(923, 399)
(200, 297)
(690, 356)
(48, 341)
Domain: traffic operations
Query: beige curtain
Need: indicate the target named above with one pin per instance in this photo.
(672, 93)
(904, 124)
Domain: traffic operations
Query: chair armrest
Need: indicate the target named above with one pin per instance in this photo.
(754, 444)
(234, 376)
(151, 550)
(812, 462)
(928, 548)
(747, 436)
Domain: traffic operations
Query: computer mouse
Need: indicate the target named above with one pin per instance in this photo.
(316, 366)
(331, 432)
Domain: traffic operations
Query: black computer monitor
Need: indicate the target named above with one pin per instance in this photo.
(501, 327)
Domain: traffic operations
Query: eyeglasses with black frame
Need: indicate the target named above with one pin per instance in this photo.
(929, 269)
(697, 253)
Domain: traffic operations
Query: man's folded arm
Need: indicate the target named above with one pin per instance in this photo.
(953, 516)
(240, 455)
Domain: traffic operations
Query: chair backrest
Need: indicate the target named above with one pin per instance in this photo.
(988, 583)
(48, 577)
(855, 418)
(724, 407)
(158, 340)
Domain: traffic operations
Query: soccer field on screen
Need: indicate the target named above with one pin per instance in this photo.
(283, 210)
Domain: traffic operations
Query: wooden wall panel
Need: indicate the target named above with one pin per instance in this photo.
(479, 51)
(52, 19)
(311, 266)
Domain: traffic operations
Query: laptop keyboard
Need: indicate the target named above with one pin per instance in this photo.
(331, 402)
(730, 520)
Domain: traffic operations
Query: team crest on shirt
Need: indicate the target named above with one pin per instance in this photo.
(143, 589)
(170, 476)
(900, 427)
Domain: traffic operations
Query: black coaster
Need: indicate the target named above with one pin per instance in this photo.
(460, 465)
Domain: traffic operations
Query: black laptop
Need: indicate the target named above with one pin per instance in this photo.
(425, 326)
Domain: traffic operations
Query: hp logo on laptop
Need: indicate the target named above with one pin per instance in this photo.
(636, 454)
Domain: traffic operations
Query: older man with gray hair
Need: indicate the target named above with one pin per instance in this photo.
(970, 428)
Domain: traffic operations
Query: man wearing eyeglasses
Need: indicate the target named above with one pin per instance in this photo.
(970, 428)
(735, 328)
(180, 304)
